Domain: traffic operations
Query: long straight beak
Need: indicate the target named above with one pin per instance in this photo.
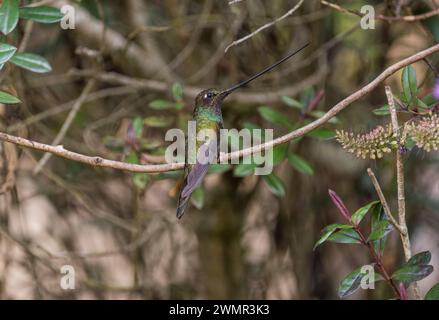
(228, 91)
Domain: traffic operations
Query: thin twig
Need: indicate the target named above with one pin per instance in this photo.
(384, 202)
(265, 26)
(382, 17)
(67, 123)
(400, 186)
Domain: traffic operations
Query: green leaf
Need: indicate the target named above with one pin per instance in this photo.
(161, 104)
(411, 273)
(177, 91)
(409, 84)
(274, 116)
(140, 180)
(360, 213)
(347, 236)
(429, 100)
(292, 102)
(275, 184)
(132, 158)
(280, 153)
(376, 216)
(8, 16)
(243, 170)
(307, 96)
(158, 121)
(197, 198)
(7, 98)
(219, 168)
(300, 164)
(353, 281)
(6, 52)
(329, 230)
(322, 133)
(382, 111)
(383, 228)
(42, 14)
(138, 126)
(420, 258)
(433, 293)
(415, 269)
(350, 283)
(32, 62)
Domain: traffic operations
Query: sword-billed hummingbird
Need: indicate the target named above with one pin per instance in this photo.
(207, 114)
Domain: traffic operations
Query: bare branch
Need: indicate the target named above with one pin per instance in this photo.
(383, 17)
(384, 202)
(400, 186)
(67, 123)
(265, 26)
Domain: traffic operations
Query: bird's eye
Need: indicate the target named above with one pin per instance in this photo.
(209, 95)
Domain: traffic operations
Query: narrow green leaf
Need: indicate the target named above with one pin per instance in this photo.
(138, 126)
(433, 293)
(243, 170)
(132, 158)
(411, 273)
(350, 283)
(360, 213)
(409, 84)
(420, 258)
(32, 62)
(347, 236)
(383, 228)
(292, 102)
(42, 14)
(140, 180)
(429, 100)
(322, 133)
(300, 164)
(274, 116)
(158, 121)
(275, 184)
(376, 216)
(6, 52)
(280, 153)
(219, 168)
(177, 91)
(8, 16)
(382, 111)
(7, 98)
(328, 231)
(161, 104)
(197, 198)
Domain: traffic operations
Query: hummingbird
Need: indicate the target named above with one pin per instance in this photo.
(208, 117)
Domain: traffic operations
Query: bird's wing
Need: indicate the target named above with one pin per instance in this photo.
(194, 176)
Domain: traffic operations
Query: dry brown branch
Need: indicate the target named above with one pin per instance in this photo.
(100, 162)
(400, 187)
(245, 97)
(380, 16)
(384, 202)
(265, 26)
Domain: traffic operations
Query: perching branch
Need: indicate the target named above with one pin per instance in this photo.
(100, 162)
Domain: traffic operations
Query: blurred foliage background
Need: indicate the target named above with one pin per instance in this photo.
(244, 236)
